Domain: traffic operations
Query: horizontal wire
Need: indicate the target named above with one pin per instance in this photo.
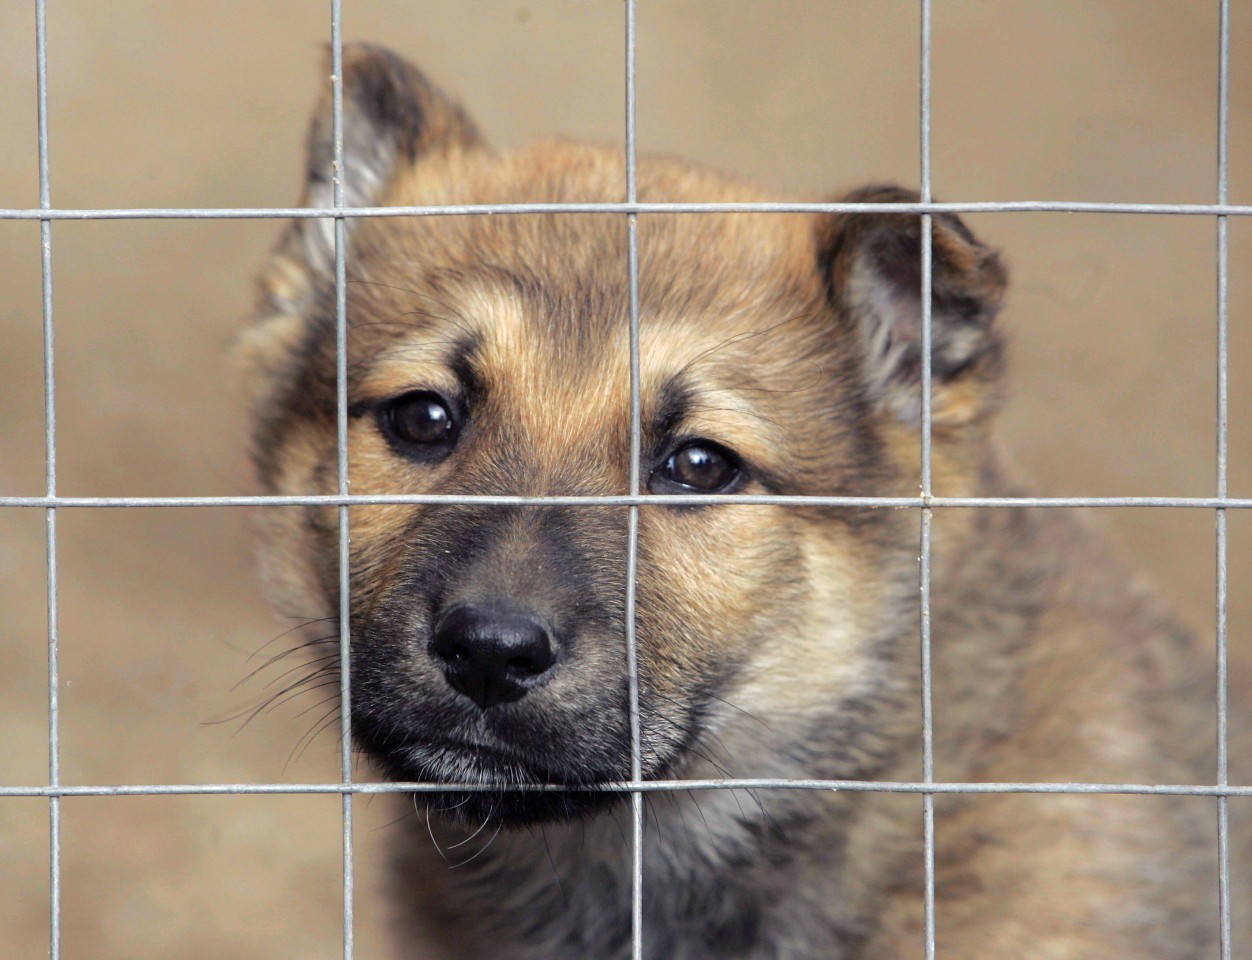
(631, 786)
(626, 500)
(492, 209)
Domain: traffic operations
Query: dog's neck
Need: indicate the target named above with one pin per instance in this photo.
(726, 875)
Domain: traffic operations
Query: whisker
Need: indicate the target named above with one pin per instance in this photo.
(735, 706)
(430, 830)
(481, 827)
(543, 832)
(301, 624)
(280, 697)
(324, 722)
(481, 850)
(274, 658)
(329, 658)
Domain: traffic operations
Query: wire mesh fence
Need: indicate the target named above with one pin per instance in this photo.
(631, 208)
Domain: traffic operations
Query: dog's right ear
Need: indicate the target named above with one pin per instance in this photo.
(392, 117)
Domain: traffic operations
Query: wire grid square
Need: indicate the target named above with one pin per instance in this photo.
(926, 502)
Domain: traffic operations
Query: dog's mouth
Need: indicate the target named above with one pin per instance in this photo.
(499, 786)
(494, 786)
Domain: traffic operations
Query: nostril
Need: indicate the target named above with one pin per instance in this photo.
(527, 666)
(492, 654)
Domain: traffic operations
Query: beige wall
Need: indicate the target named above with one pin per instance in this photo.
(203, 104)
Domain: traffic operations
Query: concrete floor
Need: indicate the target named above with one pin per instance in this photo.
(178, 104)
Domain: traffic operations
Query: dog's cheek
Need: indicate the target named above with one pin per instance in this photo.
(716, 584)
(759, 606)
(823, 654)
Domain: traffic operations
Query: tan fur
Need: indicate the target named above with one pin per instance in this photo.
(790, 335)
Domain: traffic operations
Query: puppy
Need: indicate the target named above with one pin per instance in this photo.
(779, 354)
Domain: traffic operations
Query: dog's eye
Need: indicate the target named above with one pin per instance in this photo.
(420, 418)
(702, 466)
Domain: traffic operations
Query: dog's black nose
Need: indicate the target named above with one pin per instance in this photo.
(492, 655)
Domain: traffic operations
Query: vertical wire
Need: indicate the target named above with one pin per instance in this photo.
(1223, 760)
(632, 547)
(928, 736)
(341, 421)
(50, 481)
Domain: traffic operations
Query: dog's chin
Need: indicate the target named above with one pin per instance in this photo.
(516, 809)
(498, 801)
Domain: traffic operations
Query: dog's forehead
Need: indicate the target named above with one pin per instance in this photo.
(549, 303)
(559, 283)
(571, 344)
(703, 262)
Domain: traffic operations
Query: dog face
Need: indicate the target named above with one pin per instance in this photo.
(490, 355)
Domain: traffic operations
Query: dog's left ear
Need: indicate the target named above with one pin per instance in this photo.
(872, 266)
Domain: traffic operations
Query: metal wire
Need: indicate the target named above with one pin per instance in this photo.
(640, 786)
(632, 544)
(1223, 410)
(926, 502)
(50, 484)
(342, 478)
(927, 480)
(501, 209)
(658, 500)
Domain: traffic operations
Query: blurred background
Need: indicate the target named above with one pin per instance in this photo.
(172, 104)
